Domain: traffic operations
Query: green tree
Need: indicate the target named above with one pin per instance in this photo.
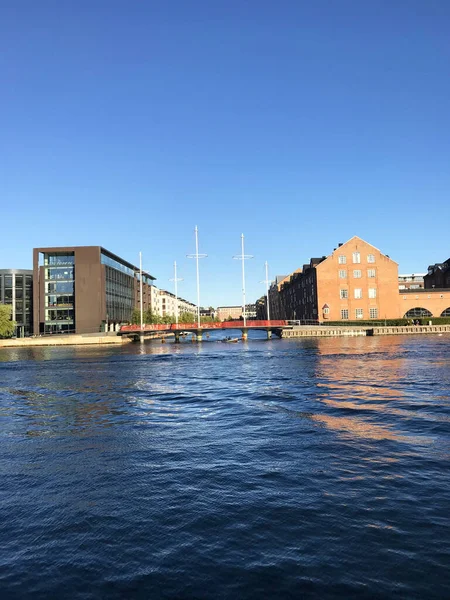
(148, 316)
(186, 317)
(7, 326)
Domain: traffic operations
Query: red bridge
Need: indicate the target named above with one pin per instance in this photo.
(268, 326)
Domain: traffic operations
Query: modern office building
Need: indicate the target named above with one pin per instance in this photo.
(84, 289)
(16, 289)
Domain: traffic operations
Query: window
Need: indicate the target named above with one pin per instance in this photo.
(342, 274)
(359, 313)
(373, 313)
(344, 313)
(342, 260)
(356, 273)
(371, 273)
(358, 293)
(372, 292)
(356, 257)
(326, 311)
(370, 258)
(344, 294)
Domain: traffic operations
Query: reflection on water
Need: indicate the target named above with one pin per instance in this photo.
(310, 468)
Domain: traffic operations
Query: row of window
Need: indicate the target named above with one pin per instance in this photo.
(356, 256)
(64, 274)
(358, 293)
(359, 313)
(357, 273)
(8, 281)
(59, 259)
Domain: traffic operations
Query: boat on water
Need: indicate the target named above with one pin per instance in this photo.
(229, 340)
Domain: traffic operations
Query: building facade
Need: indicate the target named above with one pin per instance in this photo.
(208, 312)
(411, 281)
(356, 281)
(226, 313)
(84, 289)
(424, 304)
(16, 289)
(438, 276)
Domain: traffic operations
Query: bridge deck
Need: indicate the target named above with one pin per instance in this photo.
(193, 327)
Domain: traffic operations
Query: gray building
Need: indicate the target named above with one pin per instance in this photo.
(16, 289)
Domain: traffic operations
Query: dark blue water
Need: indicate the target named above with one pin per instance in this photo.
(282, 469)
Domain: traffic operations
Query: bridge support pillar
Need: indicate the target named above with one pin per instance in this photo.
(141, 338)
(269, 334)
(177, 337)
(199, 335)
(244, 334)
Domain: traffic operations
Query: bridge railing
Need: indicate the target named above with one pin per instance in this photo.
(190, 326)
(253, 323)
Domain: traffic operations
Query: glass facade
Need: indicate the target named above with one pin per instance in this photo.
(115, 264)
(16, 289)
(59, 305)
(119, 295)
(120, 282)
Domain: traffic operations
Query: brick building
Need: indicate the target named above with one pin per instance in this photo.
(356, 281)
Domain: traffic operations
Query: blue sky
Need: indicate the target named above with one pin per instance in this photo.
(300, 124)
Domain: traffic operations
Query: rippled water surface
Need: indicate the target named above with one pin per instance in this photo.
(281, 469)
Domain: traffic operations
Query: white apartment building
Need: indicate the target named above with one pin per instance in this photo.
(165, 303)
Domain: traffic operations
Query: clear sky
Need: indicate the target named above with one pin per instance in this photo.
(300, 124)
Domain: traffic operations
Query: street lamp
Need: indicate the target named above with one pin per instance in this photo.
(197, 256)
(176, 280)
(243, 257)
(267, 282)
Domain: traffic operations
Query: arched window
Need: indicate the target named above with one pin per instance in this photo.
(417, 312)
(446, 312)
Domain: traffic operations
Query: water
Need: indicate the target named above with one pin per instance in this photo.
(282, 469)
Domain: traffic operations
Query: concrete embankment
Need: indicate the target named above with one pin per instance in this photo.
(65, 340)
(411, 329)
(324, 331)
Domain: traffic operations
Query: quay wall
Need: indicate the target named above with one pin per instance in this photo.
(411, 329)
(322, 331)
(65, 340)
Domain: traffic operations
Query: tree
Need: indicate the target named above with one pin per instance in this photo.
(7, 326)
(186, 317)
(149, 317)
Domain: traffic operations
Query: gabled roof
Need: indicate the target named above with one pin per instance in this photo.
(356, 237)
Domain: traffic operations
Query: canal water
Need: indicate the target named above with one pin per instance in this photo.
(312, 468)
